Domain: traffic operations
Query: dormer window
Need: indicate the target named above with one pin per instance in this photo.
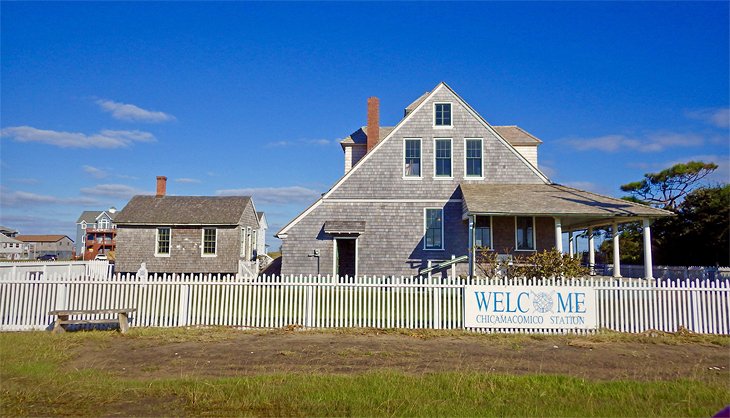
(442, 115)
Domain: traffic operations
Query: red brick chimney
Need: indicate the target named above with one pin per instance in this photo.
(161, 186)
(373, 132)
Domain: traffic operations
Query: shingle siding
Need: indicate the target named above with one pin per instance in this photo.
(392, 243)
(381, 175)
(137, 244)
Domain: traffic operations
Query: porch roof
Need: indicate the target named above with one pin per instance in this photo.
(549, 200)
(344, 227)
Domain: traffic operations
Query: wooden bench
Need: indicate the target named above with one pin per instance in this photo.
(122, 318)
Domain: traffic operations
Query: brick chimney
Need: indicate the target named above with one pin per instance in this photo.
(161, 186)
(373, 122)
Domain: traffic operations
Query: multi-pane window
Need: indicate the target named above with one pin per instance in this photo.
(482, 232)
(442, 114)
(474, 157)
(163, 241)
(525, 233)
(442, 154)
(412, 167)
(209, 241)
(433, 239)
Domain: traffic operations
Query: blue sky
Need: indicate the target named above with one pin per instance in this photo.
(99, 98)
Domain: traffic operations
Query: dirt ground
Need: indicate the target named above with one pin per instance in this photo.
(246, 353)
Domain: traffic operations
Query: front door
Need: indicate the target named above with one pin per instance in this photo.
(346, 257)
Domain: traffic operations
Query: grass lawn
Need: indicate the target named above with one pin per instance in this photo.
(35, 379)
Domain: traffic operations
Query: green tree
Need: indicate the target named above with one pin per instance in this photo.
(667, 188)
(699, 234)
(677, 240)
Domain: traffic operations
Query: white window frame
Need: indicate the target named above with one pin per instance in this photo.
(334, 254)
(451, 159)
(104, 223)
(425, 228)
(449, 126)
(534, 234)
(491, 231)
(242, 252)
(403, 160)
(202, 243)
(157, 242)
(83, 225)
(249, 252)
(254, 243)
(471, 176)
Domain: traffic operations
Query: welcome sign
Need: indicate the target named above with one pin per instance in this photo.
(551, 307)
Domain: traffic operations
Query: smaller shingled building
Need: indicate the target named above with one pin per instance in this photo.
(187, 234)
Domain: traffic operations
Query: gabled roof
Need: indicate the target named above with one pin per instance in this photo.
(548, 199)
(418, 103)
(41, 238)
(361, 137)
(411, 107)
(90, 216)
(5, 238)
(516, 136)
(6, 230)
(183, 210)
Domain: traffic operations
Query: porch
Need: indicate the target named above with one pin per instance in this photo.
(538, 209)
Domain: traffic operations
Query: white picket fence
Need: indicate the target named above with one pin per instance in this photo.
(624, 305)
(98, 269)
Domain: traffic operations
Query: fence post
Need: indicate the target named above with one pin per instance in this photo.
(308, 307)
(182, 319)
(436, 306)
(62, 297)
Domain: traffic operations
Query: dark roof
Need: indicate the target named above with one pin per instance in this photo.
(41, 238)
(361, 137)
(516, 135)
(181, 210)
(344, 227)
(259, 215)
(548, 199)
(5, 229)
(90, 215)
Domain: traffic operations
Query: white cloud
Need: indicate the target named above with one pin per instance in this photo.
(94, 171)
(653, 142)
(187, 180)
(19, 198)
(120, 191)
(299, 142)
(718, 117)
(103, 139)
(274, 195)
(130, 112)
(25, 180)
(30, 224)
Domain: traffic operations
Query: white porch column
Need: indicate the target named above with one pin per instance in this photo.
(571, 243)
(616, 257)
(591, 252)
(558, 235)
(471, 246)
(648, 273)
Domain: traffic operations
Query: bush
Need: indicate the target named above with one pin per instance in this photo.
(538, 264)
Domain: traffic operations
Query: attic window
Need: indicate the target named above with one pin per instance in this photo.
(442, 114)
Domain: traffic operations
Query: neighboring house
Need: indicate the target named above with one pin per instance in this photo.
(96, 233)
(60, 246)
(440, 183)
(186, 234)
(8, 232)
(10, 248)
(260, 237)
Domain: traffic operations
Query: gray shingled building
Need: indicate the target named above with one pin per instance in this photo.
(187, 234)
(439, 184)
